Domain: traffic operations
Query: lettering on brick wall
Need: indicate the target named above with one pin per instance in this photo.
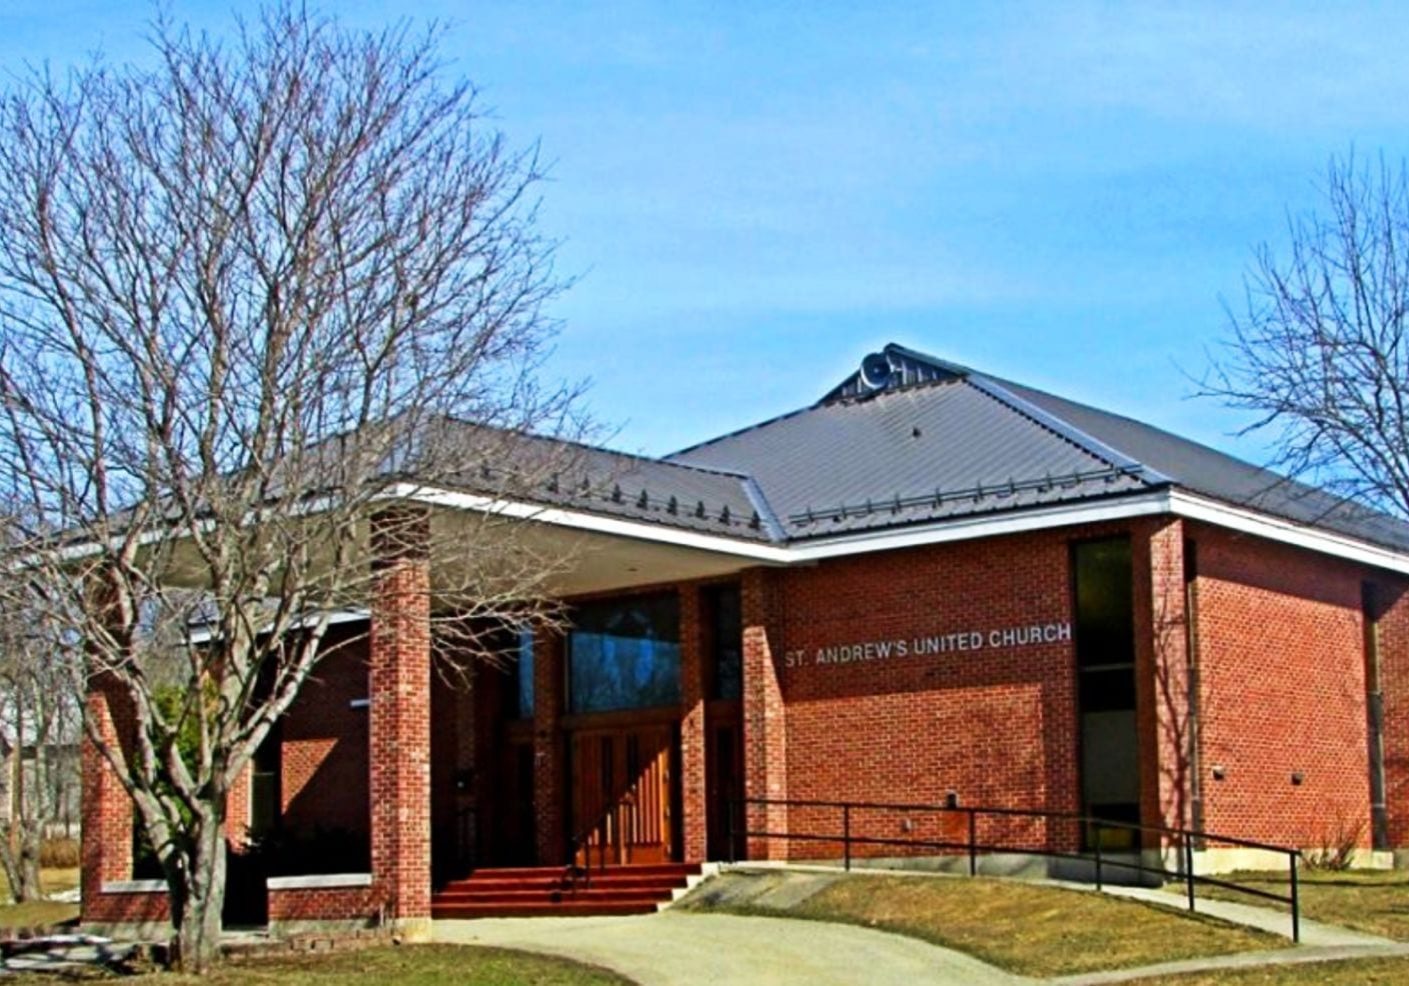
(1001, 638)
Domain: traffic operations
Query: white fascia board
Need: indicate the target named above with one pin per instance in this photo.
(972, 528)
(1286, 531)
(859, 542)
(582, 521)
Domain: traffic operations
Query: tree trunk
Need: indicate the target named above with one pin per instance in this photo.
(198, 897)
(28, 887)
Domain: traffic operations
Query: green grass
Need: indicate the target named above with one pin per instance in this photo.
(1374, 901)
(40, 913)
(1034, 930)
(407, 965)
(1355, 972)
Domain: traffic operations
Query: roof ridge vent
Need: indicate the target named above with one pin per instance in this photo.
(893, 368)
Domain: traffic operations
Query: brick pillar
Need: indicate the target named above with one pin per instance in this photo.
(107, 810)
(1161, 670)
(1392, 598)
(550, 813)
(400, 719)
(693, 803)
(765, 721)
(238, 805)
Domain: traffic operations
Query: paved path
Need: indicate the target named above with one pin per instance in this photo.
(1313, 933)
(684, 948)
(676, 948)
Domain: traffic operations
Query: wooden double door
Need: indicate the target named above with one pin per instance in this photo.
(623, 794)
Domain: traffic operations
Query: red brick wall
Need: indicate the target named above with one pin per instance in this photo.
(324, 769)
(692, 728)
(324, 904)
(765, 719)
(996, 725)
(1161, 673)
(1280, 644)
(400, 715)
(1394, 684)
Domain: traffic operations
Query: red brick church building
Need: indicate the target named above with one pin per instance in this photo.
(932, 586)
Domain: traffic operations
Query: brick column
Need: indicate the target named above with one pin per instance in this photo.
(107, 810)
(1393, 604)
(400, 720)
(1161, 669)
(693, 804)
(238, 807)
(765, 721)
(550, 813)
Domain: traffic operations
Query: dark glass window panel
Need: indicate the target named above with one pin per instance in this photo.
(1105, 612)
(524, 673)
(1105, 655)
(726, 643)
(1106, 691)
(625, 654)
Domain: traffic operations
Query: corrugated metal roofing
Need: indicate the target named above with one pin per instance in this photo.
(932, 441)
(943, 449)
(502, 463)
(1207, 471)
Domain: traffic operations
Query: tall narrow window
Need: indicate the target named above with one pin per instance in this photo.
(725, 650)
(1105, 664)
(523, 670)
(265, 788)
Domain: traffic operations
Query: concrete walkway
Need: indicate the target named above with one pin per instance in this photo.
(676, 948)
(1314, 934)
(685, 948)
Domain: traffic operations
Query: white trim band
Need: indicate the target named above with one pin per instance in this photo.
(326, 881)
(134, 887)
(1286, 531)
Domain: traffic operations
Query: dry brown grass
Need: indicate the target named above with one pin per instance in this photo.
(1374, 901)
(1356, 972)
(1035, 930)
(407, 965)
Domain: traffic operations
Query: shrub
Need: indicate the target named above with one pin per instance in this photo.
(1335, 851)
(59, 854)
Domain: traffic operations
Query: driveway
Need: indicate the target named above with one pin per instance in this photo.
(677, 948)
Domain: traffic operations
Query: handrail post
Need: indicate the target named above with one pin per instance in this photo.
(1096, 837)
(846, 836)
(1296, 913)
(1189, 866)
(973, 842)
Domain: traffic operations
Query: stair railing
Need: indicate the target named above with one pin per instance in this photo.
(843, 827)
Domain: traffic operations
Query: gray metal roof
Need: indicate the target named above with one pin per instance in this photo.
(935, 440)
(943, 449)
(1200, 469)
(910, 439)
(553, 472)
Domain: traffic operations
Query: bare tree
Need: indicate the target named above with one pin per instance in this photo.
(1321, 353)
(39, 730)
(250, 296)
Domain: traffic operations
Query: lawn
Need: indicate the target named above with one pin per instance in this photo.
(1356, 972)
(40, 913)
(407, 965)
(1028, 929)
(1376, 901)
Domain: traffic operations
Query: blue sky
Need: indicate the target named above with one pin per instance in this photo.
(755, 195)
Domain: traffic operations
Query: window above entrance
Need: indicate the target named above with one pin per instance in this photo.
(624, 654)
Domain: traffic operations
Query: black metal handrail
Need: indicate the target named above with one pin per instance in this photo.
(580, 843)
(1185, 840)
